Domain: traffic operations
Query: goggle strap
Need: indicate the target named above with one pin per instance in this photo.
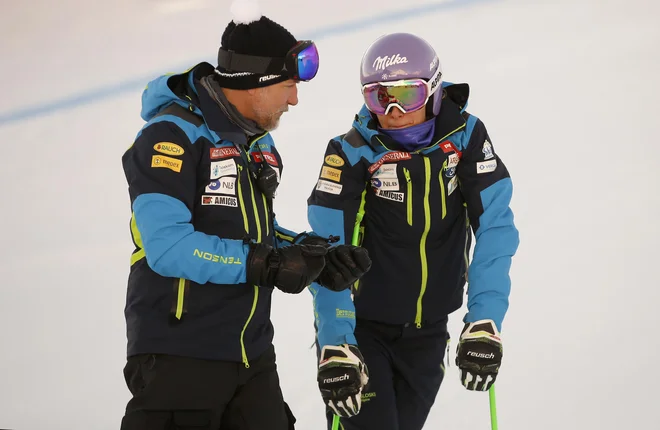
(232, 61)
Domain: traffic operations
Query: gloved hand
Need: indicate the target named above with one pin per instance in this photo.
(344, 264)
(479, 355)
(341, 377)
(290, 269)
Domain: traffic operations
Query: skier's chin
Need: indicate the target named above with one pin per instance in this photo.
(398, 126)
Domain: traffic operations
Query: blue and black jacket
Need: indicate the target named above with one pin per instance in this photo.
(413, 212)
(194, 208)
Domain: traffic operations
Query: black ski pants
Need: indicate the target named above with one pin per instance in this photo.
(405, 373)
(172, 392)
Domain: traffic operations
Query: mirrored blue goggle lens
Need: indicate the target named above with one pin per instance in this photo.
(410, 95)
(308, 63)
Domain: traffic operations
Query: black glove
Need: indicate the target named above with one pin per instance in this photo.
(342, 376)
(479, 355)
(344, 264)
(290, 269)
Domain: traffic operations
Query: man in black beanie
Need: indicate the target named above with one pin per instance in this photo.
(202, 175)
(268, 94)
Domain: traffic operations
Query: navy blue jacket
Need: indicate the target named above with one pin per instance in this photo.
(194, 209)
(417, 209)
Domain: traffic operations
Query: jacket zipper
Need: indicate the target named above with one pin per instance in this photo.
(442, 190)
(422, 242)
(266, 210)
(258, 222)
(246, 362)
(358, 230)
(256, 288)
(256, 211)
(240, 199)
(409, 202)
(254, 307)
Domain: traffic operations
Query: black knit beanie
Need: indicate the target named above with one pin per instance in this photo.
(262, 37)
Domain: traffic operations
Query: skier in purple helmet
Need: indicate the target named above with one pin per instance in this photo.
(411, 180)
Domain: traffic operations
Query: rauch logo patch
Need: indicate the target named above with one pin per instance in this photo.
(168, 148)
(334, 160)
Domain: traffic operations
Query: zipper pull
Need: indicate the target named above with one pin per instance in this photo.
(406, 173)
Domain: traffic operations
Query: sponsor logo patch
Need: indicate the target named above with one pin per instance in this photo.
(168, 148)
(222, 186)
(166, 162)
(334, 160)
(390, 156)
(381, 63)
(487, 150)
(453, 160)
(268, 156)
(219, 201)
(448, 147)
(385, 184)
(386, 171)
(453, 184)
(450, 172)
(216, 258)
(342, 313)
(268, 78)
(328, 187)
(486, 166)
(433, 63)
(331, 173)
(218, 153)
(390, 195)
(222, 168)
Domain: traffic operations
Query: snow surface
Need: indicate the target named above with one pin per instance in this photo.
(569, 93)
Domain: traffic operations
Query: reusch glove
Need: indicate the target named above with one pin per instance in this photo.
(344, 264)
(479, 355)
(341, 377)
(290, 269)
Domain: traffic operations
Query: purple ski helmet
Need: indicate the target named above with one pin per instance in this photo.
(397, 56)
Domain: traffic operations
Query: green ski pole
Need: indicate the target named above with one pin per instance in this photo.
(335, 422)
(493, 408)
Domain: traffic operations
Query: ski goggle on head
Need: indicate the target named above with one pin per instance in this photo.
(300, 63)
(406, 94)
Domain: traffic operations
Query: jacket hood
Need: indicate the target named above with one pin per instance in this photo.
(160, 93)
